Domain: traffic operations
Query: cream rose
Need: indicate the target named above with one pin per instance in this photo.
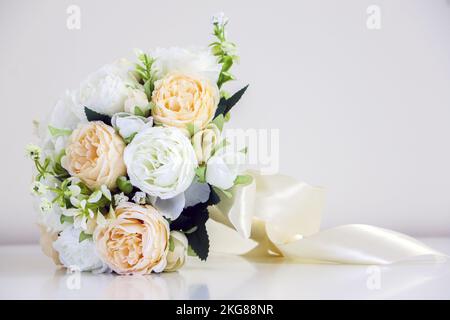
(135, 242)
(95, 155)
(180, 100)
(204, 142)
(176, 257)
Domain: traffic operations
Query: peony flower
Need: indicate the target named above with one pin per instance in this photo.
(95, 155)
(180, 100)
(136, 98)
(204, 142)
(223, 168)
(195, 61)
(75, 254)
(176, 257)
(128, 124)
(160, 161)
(106, 90)
(135, 242)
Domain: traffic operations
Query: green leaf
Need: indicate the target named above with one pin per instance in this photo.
(148, 88)
(225, 105)
(243, 179)
(190, 252)
(130, 138)
(84, 236)
(64, 218)
(199, 242)
(92, 115)
(219, 121)
(138, 111)
(56, 132)
(124, 185)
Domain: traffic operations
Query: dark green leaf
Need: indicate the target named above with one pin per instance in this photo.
(199, 242)
(92, 115)
(225, 105)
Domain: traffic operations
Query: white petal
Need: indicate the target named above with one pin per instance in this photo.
(196, 193)
(171, 208)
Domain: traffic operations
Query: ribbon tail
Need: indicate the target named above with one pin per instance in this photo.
(279, 216)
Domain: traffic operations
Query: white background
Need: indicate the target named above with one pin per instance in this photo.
(365, 113)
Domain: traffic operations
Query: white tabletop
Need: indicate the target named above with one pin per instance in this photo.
(25, 273)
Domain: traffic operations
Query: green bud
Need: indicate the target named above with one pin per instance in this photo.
(124, 185)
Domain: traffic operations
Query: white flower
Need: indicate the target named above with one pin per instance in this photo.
(204, 142)
(38, 188)
(106, 90)
(223, 168)
(140, 197)
(196, 61)
(75, 254)
(177, 254)
(120, 198)
(220, 19)
(160, 161)
(46, 205)
(128, 124)
(33, 152)
(136, 98)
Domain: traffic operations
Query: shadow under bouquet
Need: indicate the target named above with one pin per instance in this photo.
(128, 163)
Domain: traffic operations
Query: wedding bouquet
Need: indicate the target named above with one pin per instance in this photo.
(129, 162)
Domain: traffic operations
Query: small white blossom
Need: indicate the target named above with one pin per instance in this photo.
(33, 152)
(120, 198)
(38, 188)
(220, 18)
(140, 197)
(72, 252)
(45, 205)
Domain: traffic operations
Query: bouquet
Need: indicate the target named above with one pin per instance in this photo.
(129, 162)
(132, 164)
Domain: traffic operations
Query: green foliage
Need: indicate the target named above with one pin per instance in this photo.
(144, 70)
(225, 51)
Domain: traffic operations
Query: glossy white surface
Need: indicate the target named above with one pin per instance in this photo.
(25, 273)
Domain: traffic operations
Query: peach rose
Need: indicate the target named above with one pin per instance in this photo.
(135, 242)
(95, 155)
(179, 100)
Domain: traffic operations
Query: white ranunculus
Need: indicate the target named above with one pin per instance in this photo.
(177, 254)
(65, 116)
(81, 256)
(136, 98)
(128, 124)
(223, 168)
(106, 90)
(197, 61)
(160, 161)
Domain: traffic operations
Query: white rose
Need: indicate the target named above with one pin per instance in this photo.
(75, 254)
(136, 98)
(160, 161)
(128, 124)
(196, 61)
(204, 142)
(223, 168)
(177, 254)
(106, 90)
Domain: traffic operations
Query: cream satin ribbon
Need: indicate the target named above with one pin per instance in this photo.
(277, 215)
